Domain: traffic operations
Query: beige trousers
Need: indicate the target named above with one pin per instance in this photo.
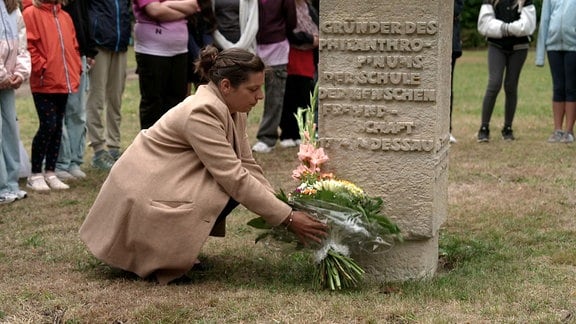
(107, 82)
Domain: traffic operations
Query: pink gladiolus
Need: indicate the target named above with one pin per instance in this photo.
(300, 172)
(317, 159)
(306, 152)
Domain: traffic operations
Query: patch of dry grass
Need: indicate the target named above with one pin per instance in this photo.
(507, 247)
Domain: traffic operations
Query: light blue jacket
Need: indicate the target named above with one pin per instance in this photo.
(557, 28)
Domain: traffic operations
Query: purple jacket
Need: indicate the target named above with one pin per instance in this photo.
(276, 19)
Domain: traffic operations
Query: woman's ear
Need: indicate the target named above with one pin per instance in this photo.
(225, 86)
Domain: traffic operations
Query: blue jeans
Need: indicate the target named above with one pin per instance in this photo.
(72, 145)
(9, 142)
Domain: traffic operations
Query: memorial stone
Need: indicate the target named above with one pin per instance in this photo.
(384, 95)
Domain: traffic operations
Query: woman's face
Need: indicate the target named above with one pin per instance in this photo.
(246, 95)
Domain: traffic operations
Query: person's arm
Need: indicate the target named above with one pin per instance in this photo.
(208, 139)
(38, 61)
(488, 25)
(458, 7)
(188, 7)
(4, 75)
(89, 49)
(543, 33)
(23, 64)
(524, 26)
(290, 12)
(171, 10)
(301, 38)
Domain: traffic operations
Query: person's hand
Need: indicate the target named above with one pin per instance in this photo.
(16, 81)
(90, 61)
(305, 227)
(5, 84)
(194, 6)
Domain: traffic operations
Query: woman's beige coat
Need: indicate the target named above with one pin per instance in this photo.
(161, 199)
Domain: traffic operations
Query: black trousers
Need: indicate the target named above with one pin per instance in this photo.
(297, 95)
(163, 84)
(227, 210)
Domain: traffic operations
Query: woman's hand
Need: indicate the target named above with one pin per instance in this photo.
(305, 227)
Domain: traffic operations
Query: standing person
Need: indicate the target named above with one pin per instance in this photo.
(301, 68)
(71, 155)
(456, 53)
(111, 30)
(157, 228)
(507, 24)
(56, 69)
(161, 47)
(557, 38)
(237, 24)
(277, 18)
(14, 69)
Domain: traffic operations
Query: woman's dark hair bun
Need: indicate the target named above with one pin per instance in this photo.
(206, 61)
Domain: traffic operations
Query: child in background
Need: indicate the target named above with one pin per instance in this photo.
(56, 69)
(73, 142)
(507, 25)
(276, 20)
(14, 69)
(557, 40)
(301, 67)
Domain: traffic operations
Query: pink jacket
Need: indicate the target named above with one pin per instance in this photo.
(14, 56)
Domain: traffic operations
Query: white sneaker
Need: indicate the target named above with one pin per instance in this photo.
(6, 198)
(37, 182)
(55, 183)
(261, 147)
(77, 173)
(287, 143)
(453, 139)
(64, 175)
(567, 138)
(19, 194)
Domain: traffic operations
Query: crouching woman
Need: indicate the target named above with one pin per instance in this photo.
(176, 183)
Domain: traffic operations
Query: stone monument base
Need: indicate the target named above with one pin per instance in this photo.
(409, 260)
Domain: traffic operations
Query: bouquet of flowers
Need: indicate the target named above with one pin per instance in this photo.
(354, 218)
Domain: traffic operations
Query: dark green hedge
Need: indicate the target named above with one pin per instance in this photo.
(470, 36)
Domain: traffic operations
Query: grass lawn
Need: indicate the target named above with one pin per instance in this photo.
(508, 247)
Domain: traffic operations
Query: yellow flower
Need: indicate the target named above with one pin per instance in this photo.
(338, 185)
(351, 187)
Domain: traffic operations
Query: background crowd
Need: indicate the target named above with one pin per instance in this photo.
(78, 95)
